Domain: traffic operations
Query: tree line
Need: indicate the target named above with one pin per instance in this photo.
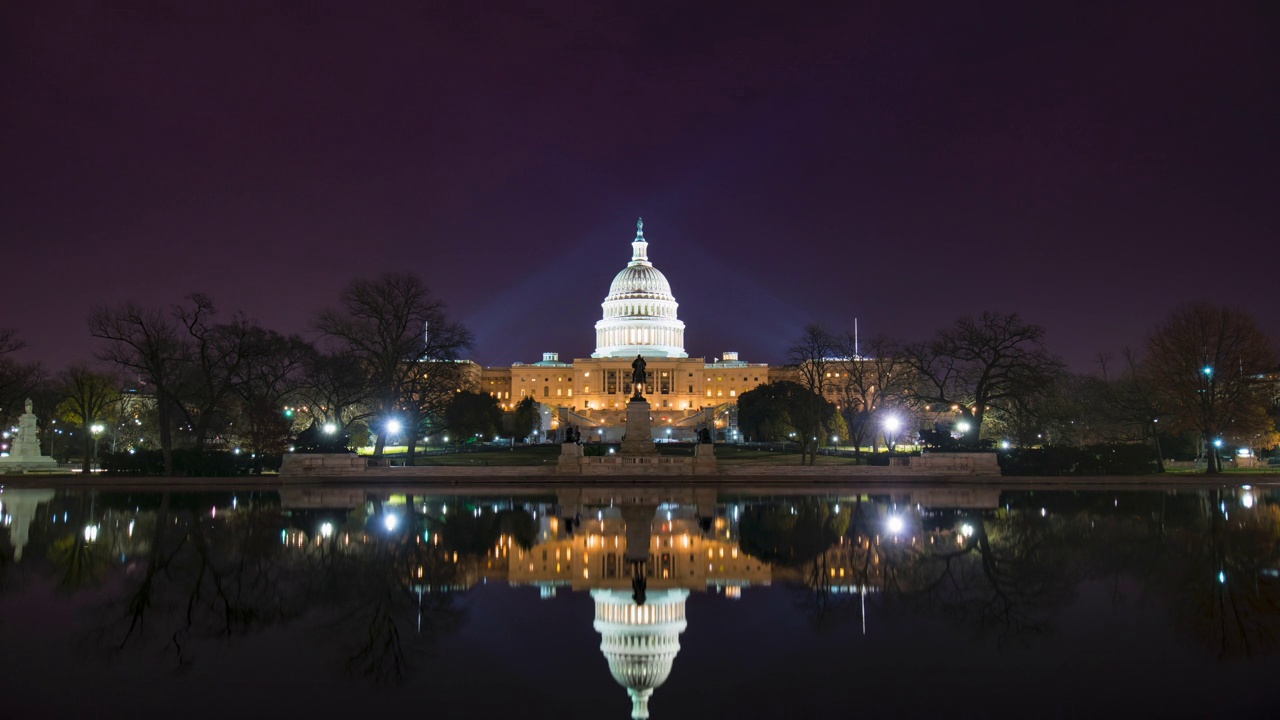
(1206, 377)
(387, 361)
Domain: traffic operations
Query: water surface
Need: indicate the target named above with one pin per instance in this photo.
(576, 603)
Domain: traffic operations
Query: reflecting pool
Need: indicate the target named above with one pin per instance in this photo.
(611, 601)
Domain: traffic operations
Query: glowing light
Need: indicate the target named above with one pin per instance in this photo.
(1222, 577)
(393, 427)
(895, 524)
(1217, 443)
(1207, 370)
(966, 530)
(326, 530)
(1043, 512)
(390, 521)
(330, 428)
(892, 423)
(90, 533)
(1247, 499)
(962, 426)
(1005, 444)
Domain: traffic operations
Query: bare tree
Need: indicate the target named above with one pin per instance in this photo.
(146, 343)
(982, 364)
(868, 383)
(1208, 364)
(409, 349)
(218, 354)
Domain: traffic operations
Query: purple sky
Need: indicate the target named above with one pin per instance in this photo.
(1089, 167)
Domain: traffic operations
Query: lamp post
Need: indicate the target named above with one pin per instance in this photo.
(96, 429)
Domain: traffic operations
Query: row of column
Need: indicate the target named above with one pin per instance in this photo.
(640, 336)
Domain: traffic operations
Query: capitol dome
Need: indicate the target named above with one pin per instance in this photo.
(640, 641)
(640, 311)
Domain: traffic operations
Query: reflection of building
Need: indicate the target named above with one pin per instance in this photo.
(639, 317)
(639, 559)
(640, 641)
(679, 554)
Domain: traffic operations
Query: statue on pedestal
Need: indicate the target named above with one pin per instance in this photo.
(638, 377)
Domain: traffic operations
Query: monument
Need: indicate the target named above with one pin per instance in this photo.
(638, 440)
(25, 453)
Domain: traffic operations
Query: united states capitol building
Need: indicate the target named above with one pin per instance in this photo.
(639, 318)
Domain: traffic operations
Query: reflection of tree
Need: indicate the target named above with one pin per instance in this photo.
(1217, 574)
(381, 595)
(1010, 574)
(204, 578)
(393, 595)
(797, 535)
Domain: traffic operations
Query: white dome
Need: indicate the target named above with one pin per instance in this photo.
(640, 641)
(640, 311)
(645, 280)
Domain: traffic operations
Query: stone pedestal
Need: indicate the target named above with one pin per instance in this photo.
(704, 458)
(25, 454)
(570, 458)
(639, 438)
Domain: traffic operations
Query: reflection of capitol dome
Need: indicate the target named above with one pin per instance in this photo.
(640, 641)
(640, 311)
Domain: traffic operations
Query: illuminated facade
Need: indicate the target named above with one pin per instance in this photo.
(639, 318)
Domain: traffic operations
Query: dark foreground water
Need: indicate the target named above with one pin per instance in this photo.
(690, 603)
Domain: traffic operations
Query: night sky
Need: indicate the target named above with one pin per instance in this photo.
(1089, 165)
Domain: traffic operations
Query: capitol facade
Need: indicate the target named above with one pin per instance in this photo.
(640, 317)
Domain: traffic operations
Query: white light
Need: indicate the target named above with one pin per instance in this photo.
(837, 508)
(330, 428)
(1222, 577)
(966, 530)
(962, 427)
(1217, 443)
(892, 423)
(90, 533)
(326, 530)
(1005, 444)
(390, 522)
(1247, 499)
(1043, 512)
(895, 524)
(393, 426)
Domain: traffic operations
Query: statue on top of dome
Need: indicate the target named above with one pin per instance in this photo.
(638, 376)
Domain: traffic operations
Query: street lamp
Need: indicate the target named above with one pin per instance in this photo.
(96, 429)
(892, 425)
